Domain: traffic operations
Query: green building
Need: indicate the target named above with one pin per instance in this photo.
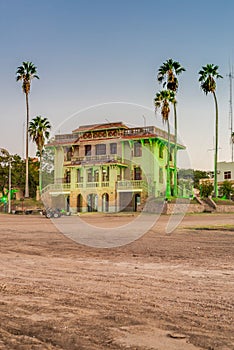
(109, 168)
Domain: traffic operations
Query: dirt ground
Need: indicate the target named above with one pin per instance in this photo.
(161, 292)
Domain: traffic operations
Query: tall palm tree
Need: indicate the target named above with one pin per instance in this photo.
(39, 131)
(162, 101)
(167, 74)
(208, 75)
(26, 72)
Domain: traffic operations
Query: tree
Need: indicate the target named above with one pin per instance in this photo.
(39, 131)
(167, 74)
(208, 75)
(17, 174)
(26, 73)
(198, 175)
(226, 189)
(4, 171)
(206, 189)
(162, 101)
(47, 165)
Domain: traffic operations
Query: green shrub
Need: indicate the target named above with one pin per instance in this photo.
(226, 190)
(206, 188)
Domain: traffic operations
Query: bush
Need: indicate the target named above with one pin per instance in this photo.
(226, 190)
(206, 188)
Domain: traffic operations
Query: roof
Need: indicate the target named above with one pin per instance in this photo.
(111, 131)
(105, 126)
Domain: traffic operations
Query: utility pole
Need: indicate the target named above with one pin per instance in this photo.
(230, 76)
(9, 184)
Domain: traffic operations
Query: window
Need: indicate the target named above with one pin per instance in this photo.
(79, 178)
(96, 175)
(161, 147)
(137, 173)
(171, 156)
(87, 150)
(67, 177)
(227, 175)
(160, 175)
(105, 173)
(137, 149)
(113, 148)
(90, 175)
(68, 153)
(100, 149)
(76, 151)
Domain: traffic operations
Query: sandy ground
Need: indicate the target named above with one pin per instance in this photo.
(161, 292)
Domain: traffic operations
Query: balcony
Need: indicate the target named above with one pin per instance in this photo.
(108, 158)
(62, 188)
(122, 186)
(146, 131)
(132, 186)
(92, 184)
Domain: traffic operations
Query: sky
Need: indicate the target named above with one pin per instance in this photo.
(98, 60)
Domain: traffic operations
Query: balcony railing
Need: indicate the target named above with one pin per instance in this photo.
(92, 184)
(132, 185)
(65, 137)
(107, 158)
(146, 131)
(79, 185)
(121, 185)
(56, 188)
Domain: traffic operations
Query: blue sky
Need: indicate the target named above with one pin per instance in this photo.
(95, 52)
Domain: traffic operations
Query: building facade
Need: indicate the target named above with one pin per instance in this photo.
(108, 167)
(225, 172)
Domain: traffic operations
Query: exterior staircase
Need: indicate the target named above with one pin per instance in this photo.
(153, 205)
(209, 205)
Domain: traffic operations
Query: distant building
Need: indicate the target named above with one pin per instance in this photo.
(225, 171)
(108, 167)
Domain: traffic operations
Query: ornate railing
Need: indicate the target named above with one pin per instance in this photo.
(56, 187)
(132, 184)
(121, 185)
(91, 159)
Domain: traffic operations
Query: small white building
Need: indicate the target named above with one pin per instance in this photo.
(225, 171)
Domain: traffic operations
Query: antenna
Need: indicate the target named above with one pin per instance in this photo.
(230, 76)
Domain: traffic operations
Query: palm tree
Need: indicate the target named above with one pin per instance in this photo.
(39, 131)
(162, 101)
(167, 74)
(208, 74)
(26, 73)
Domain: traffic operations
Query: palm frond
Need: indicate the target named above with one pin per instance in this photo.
(208, 74)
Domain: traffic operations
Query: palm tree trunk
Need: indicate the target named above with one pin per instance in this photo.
(26, 155)
(168, 185)
(40, 173)
(175, 153)
(216, 147)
